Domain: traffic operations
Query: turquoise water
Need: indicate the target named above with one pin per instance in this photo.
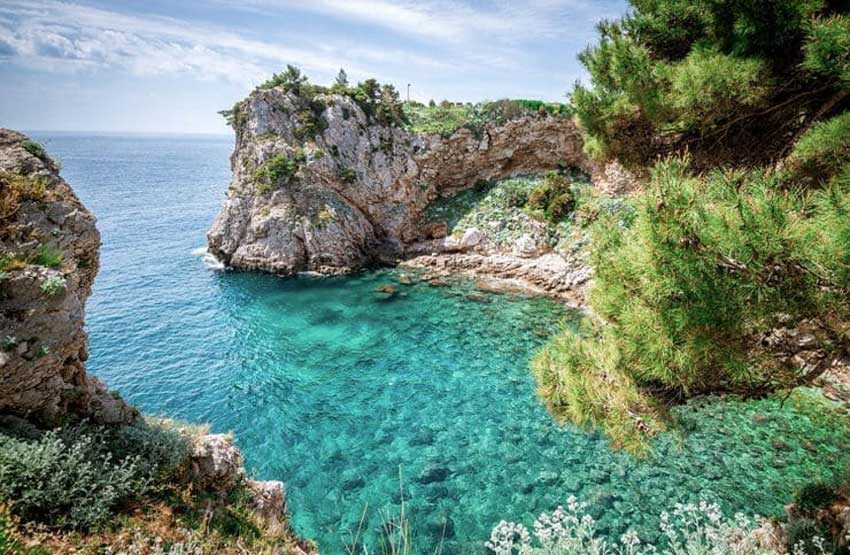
(346, 393)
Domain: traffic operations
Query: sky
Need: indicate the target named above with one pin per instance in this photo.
(170, 65)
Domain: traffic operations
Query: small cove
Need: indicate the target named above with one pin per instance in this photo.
(342, 392)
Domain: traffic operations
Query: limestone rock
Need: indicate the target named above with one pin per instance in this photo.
(615, 180)
(216, 463)
(549, 274)
(470, 238)
(363, 199)
(269, 502)
(42, 298)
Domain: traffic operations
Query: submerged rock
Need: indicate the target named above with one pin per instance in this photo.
(433, 473)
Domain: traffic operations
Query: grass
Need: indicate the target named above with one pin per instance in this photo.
(44, 255)
(16, 189)
(47, 256)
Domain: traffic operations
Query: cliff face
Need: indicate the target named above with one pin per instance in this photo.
(358, 188)
(48, 261)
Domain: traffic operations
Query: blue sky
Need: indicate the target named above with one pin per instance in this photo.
(170, 65)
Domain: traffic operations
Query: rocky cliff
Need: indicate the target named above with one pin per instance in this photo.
(319, 184)
(49, 251)
(48, 261)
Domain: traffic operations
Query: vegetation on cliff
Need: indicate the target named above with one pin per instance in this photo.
(446, 117)
(729, 280)
(383, 105)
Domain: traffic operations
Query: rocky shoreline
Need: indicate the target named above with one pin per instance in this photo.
(548, 275)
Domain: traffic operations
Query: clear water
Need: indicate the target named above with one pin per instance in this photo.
(345, 393)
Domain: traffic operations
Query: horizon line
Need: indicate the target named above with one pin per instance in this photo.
(119, 132)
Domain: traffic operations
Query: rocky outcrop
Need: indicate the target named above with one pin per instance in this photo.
(217, 467)
(49, 251)
(359, 188)
(48, 261)
(550, 274)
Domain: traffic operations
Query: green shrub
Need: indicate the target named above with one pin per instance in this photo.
(75, 477)
(560, 207)
(553, 197)
(824, 150)
(445, 118)
(827, 50)
(235, 116)
(53, 285)
(290, 79)
(47, 256)
(16, 189)
(815, 496)
(347, 175)
(35, 149)
(280, 168)
(802, 536)
(708, 265)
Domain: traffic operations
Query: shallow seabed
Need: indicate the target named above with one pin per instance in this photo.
(346, 393)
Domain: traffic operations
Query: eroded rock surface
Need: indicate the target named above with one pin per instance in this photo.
(361, 187)
(49, 255)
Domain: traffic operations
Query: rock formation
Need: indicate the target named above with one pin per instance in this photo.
(355, 189)
(48, 261)
(49, 250)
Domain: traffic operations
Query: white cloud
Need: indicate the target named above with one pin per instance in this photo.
(490, 23)
(88, 38)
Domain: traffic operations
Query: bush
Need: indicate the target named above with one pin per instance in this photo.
(691, 529)
(53, 285)
(805, 537)
(560, 207)
(347, 175)
(708, 266)
(15, 189)
(827, 50)
(815, 496)
(290, 79)
(35, 149)
(279, 168)
(553, 197)
(75, 477)
(824, 150)
(445, 118)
